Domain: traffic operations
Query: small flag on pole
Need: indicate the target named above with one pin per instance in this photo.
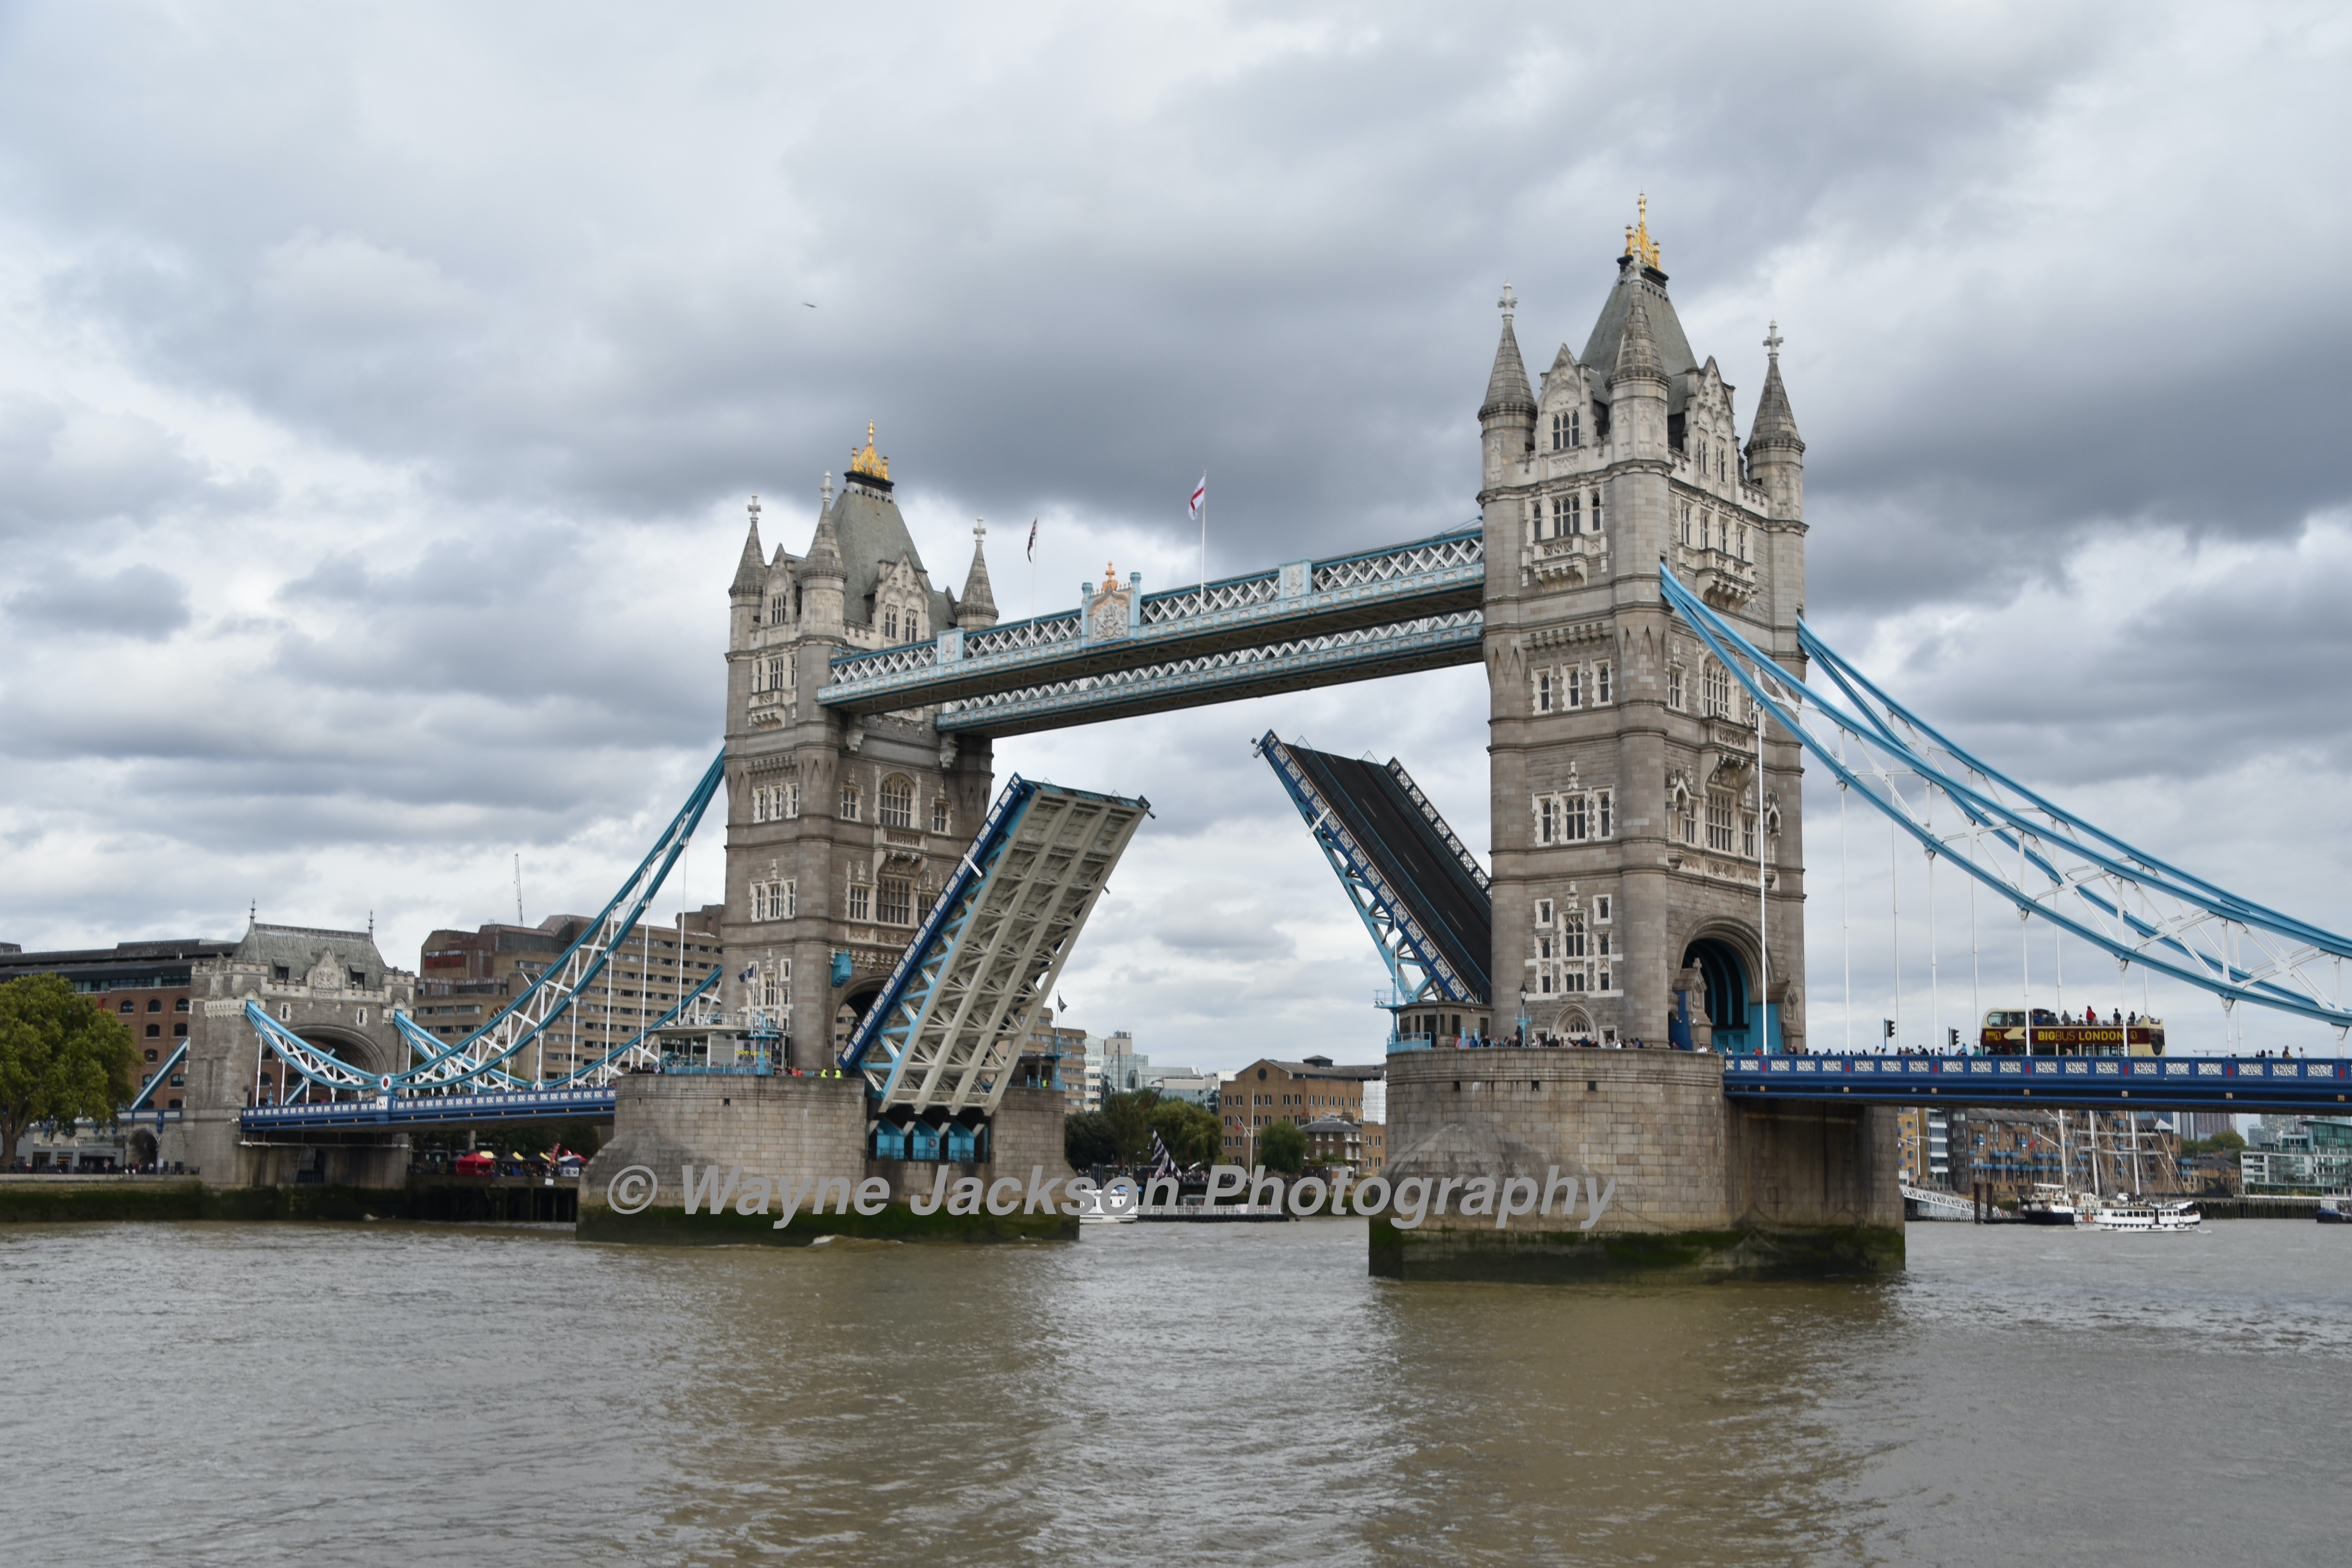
(1032, 539)
(1060, 1006)
(1200, 496)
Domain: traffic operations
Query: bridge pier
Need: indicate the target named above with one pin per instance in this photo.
(793, 1134)
(1686, 1181)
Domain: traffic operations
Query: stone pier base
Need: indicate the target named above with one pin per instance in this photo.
(1690, 1185)
(788, 1131)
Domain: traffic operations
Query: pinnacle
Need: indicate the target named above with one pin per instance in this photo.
(1508, 391)
(824, 551)
(1637, 350)
(977, 608)
(1775, 423)
(750, 572)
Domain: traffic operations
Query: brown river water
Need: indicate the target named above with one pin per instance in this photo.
(396, 1393)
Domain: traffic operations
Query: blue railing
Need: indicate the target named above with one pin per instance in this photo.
(2215, 1082)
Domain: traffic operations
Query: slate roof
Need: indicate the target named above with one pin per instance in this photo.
(869, 534)
(1673, 347)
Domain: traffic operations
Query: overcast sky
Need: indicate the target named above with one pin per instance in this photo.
(381, 388)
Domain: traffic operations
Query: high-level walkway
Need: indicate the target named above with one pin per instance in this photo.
(1124, 652)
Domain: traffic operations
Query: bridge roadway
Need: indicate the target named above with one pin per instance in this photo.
(1417, 605)
(2311, 1085)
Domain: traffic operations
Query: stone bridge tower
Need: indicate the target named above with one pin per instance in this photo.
(840, 830)
(1631, 821)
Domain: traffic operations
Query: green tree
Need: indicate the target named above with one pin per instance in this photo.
(61, 1059)
(1192, 1135)
(1282, 1147)
(1130, 1116)
(1086, 1140)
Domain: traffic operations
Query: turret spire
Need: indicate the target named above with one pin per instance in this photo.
(1775, 423)
(1637, 349)
(1508, 391)
(750, 572)
(977, 608)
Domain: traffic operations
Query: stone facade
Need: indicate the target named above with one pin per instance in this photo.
(839, 830)
(1628, 807)
(1692, 1181)
(332, 988)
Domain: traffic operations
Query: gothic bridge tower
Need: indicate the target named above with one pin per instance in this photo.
(1631, 821)
(840, 830)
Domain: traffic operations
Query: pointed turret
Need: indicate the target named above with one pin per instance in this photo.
(750, 572)
(1506, 420)
(1637, 350)
(821, 573)
(977, 608)
(1776, 453)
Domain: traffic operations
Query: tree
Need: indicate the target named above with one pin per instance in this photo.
(61, 1059)
(2222, 1142)
(1282, 1147)
(1130, 1116)
(1086, 1140)
(1188, 1131)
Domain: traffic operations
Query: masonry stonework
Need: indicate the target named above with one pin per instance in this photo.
(1631, 821)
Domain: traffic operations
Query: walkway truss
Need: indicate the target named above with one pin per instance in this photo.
(485, 1061)
(1306, 624)
(946, 1033)
(1416, 887)
(2038, 857)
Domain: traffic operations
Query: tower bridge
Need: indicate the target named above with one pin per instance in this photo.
(1634, 587)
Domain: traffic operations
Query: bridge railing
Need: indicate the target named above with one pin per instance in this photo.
(2127, 1082)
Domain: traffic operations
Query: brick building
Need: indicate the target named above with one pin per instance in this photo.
(1300, 1092)
(465, 977)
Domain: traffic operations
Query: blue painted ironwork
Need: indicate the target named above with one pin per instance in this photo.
(2045, 861)
(1379, 612)
(482, 1055)
(1403, 920)
(577, 1103)
(160, 1076)
(2107, 1083)
(954, 1012)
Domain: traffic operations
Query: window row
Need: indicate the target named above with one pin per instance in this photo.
(1714, 457)
(154, 1004)
(1567, 429)
(894, 623)
(773, 673)
(778, 900)
(895, 906)
(1575, 817)
(1706, 530)
(776, 803)
(1570, 687)
(1561, 516)
(1730, 829)
(1715, 699)
(772, 986)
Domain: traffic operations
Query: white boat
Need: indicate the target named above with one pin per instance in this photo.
(2125, 1211)
(1118, 1204)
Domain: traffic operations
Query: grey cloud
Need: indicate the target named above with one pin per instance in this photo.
(64, 464)
(139, 602)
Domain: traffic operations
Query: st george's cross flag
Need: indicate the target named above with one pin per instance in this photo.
(1200, 496)
(1032, 539)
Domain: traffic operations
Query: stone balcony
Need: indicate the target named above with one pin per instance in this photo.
(1719, 577)
(1570, 560)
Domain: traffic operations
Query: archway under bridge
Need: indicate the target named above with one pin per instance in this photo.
(1724, 971)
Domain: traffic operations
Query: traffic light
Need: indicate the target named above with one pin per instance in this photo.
(1955, 1035)
(1887, 1025)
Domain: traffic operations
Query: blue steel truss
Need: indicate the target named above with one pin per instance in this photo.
(482, 1056)
(2045, 861)
(2104, 1083)
(1419, 967)
(947, 1030)
(1310, 623)
(160, 1076)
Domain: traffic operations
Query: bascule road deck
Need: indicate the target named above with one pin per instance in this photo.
(1304, 624)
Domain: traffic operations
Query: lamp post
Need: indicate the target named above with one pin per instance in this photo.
(1523, 1015)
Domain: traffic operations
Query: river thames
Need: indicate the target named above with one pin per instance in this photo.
(395, 1393)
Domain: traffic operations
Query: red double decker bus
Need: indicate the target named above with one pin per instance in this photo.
(2011, 1034)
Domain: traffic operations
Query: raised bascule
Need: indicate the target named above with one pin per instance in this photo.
(1633, 585)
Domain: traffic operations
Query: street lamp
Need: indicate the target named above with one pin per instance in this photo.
(1523, 1015)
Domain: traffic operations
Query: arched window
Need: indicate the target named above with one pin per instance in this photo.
(898, 801)
(939, 814)
(890, 625)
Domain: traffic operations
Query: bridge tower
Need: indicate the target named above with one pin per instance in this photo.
(840, 828)
(1629, 812)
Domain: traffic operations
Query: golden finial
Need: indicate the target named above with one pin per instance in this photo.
(1638, 242)
(1110, 576)
(869, 461)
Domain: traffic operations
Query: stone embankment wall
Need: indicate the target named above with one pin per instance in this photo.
(1693, 1183)
(796, 1130)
